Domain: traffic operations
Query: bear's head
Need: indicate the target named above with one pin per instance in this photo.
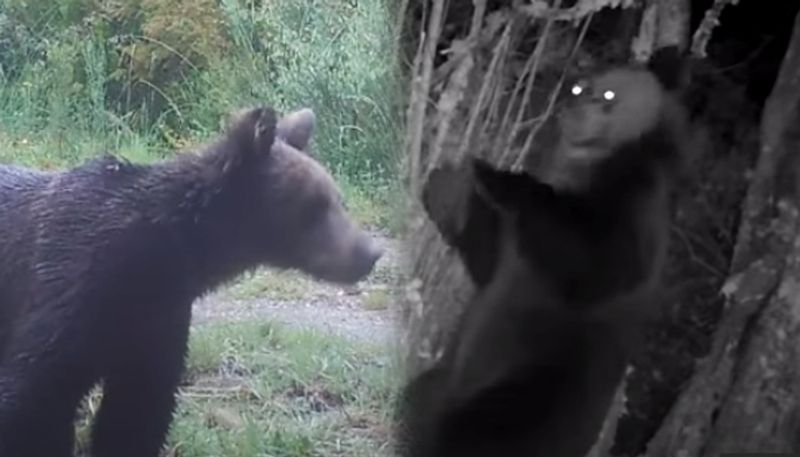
(295, 215)
(619, 118)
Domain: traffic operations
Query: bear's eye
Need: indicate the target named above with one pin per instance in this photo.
(609, 95)
(577, 89)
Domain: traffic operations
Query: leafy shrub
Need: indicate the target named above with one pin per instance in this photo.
(158, 74)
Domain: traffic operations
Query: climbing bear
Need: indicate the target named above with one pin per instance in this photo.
(100, 264)
(567, 268)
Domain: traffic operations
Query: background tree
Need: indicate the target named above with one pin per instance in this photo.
(720, 369)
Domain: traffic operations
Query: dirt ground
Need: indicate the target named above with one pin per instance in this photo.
(366, 312)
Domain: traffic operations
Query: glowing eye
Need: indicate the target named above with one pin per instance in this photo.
(609, 95)
(577, 90)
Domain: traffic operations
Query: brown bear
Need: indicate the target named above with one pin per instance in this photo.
(566, 269)
(100, 264)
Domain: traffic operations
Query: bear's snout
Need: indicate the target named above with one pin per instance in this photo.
(345, 260)
(360, 261)
(367, 255)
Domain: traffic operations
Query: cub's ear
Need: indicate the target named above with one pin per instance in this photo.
(671, 66)
(253, 129)
(297, 127)
(265, 130)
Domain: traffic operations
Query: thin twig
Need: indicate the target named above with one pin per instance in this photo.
(499, 50)
(710, 21)
(164, 46)
(553, 96)
(499, 143)
(402, 11)
(457, 85)
(531, 74)
(420, 92)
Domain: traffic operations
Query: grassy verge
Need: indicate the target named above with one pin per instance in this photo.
(146, 77)
(261, 389)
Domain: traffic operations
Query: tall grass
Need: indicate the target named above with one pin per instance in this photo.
(66, 92)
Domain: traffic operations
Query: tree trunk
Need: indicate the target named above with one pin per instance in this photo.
(744, 396)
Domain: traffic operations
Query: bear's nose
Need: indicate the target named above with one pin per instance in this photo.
(361, 260)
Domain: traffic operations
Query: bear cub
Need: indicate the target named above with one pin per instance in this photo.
(567, 267)
(100, 264)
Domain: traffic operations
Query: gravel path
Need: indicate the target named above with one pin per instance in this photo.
(364, 313)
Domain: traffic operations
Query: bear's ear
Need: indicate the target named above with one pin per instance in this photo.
(297, 127)
(253, 129)
(265, 130)
(671, 67)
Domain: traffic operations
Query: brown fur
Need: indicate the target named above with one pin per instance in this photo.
(101, 264)
(566, 271)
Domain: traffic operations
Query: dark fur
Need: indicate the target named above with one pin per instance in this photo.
(99, 266)
(565, 276)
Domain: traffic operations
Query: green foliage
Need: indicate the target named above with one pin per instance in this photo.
(257, 388)
(160, 74)
(278, 391)
(337, 59)
(157, 42)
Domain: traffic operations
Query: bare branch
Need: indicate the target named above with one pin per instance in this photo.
(420, 92)
(532, 68)
(703, 33)
(539, 9)
(449, 100)
(499, 53)
(518, 164)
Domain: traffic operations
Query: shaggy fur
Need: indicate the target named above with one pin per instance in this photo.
(565, 272)
(100, 264)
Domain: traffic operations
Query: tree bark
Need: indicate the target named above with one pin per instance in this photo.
(744, 396)
(664, 23)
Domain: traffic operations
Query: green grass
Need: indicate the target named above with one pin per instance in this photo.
(67, 91)
(377, 299)
(261, 389)
(279, 285)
